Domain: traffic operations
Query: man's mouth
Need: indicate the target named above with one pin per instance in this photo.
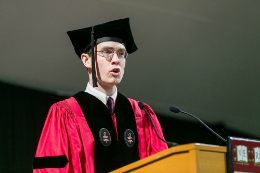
(115, 71)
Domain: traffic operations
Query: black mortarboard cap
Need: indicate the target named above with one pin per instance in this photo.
(117, 30)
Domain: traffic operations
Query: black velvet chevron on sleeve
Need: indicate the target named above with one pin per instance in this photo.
(50, 162)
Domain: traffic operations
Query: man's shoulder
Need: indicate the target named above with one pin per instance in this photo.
(63, 105)
(133, 100)
(135, 105)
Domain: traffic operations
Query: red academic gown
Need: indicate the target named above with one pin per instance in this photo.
(66, 132)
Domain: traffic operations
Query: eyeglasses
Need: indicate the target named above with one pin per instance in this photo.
(109, 53)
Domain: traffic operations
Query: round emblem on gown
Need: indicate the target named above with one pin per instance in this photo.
(129, 137)
(105, 137)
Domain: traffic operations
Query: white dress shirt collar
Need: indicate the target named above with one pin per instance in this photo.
(98, 94)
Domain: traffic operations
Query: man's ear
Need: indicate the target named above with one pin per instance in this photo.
(86, 60)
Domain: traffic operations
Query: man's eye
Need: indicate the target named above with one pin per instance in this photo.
(107, 51)
(121, 53)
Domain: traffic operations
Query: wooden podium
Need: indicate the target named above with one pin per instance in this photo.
(189, 158)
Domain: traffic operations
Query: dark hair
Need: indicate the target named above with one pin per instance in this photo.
(88, 51)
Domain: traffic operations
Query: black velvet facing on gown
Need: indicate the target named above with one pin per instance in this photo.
(125, 119)
(117, 154)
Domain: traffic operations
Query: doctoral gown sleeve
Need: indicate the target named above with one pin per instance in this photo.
(149, 143)
(59, 148)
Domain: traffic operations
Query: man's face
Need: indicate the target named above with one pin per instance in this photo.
(109, 71)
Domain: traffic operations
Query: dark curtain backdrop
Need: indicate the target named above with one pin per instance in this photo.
(23, 112)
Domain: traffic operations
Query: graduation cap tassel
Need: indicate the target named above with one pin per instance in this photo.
(94, 78)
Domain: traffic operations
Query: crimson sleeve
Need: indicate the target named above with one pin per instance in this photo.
(59, 148)
(148, 142)
(155, 145)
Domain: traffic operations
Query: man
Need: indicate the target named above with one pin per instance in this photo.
(98, 130)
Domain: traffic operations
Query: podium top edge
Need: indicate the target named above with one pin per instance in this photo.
(186, 148)
(200, 146)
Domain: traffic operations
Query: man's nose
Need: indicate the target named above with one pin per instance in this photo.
(115, 58)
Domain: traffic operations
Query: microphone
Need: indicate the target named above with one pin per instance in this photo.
(170, 144)
(177, 110)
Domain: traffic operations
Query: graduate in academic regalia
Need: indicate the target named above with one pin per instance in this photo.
(99, 129)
